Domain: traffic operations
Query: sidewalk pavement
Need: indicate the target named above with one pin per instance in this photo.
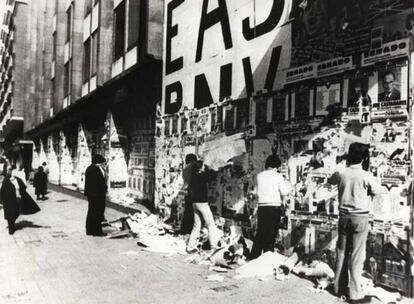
(50, 260)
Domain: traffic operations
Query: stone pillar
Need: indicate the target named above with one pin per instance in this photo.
(117, 165)
(84, 158)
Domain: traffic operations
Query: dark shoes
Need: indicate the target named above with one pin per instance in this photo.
(12, 229)
(96, 234)
(361, 301)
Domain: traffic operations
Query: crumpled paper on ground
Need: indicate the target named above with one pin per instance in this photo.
(315, 269)
(167, 244)
(378, 292)
(262, 266)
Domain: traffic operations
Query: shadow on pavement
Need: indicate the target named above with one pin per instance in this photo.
(28, 224)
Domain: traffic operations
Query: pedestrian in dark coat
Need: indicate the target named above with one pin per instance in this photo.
(95, 191)
(10, 198)
(40, 183)
(15, 199)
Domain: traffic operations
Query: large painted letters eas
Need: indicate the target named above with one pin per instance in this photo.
(219, 14)
(172, 66)
(266, 26)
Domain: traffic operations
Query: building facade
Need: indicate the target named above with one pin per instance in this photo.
(95, 79)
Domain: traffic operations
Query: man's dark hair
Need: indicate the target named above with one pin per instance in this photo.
(189, 158)
(273, 161)
(357, 153)
(44, 164)
(388, 73)
(98, 159)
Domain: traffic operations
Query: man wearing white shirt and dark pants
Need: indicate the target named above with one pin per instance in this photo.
(271, 190)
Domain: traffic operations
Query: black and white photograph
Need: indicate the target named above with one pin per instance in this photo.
(206, 151)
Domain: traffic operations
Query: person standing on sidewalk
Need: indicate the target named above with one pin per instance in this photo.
(95, 191)
(201, 209)
(45, 168)
(40, 183)
(356, 187)
(271, 190)
(10, 198)
(188, 217)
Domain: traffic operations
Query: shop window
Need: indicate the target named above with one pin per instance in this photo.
(229, 118)
(68, 23)
(302, 101)
(279, 108)
(133, 22)
(175, 125)
(219, 120)
(86, 60)
(119, 43)
(261, 112)
(213, 120)
(242, 115)
(150, 187)
(94, 56)
(167, 127)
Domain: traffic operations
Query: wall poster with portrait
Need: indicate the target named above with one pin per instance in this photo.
(389, 85)
(392, 95)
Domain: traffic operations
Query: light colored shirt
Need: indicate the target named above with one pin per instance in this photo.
(270, 187)
(355, 189)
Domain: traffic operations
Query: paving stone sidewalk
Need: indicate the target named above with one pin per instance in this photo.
(50, 260)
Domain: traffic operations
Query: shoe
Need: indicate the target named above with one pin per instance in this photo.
(360, 301)
(191, 250)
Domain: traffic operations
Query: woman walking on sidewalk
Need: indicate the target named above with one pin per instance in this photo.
(15, 199)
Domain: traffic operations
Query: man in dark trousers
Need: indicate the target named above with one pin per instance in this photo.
(95, 191)
(188, 217)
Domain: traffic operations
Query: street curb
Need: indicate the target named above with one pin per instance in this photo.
(81, 196)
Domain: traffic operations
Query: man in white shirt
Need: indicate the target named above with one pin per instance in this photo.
(271, 190)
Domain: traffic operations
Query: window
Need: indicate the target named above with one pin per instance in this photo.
(86, 60)
(278, 108)
(261, 111)
(54, 45)
(94, 56)
(119, 44)
(88, 7)
(133, 22)
(68, 23)
(66, 79)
